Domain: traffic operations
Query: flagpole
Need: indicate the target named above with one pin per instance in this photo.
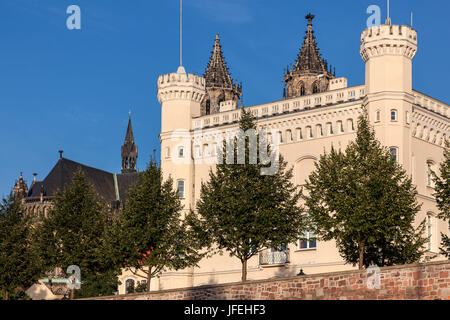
(181, 32)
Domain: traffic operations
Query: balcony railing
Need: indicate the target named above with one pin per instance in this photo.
(267, 257)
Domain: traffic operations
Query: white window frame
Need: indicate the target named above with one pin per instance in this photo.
(308, 235)
(396, 153)
(181, 152)
(377, 116)
(395, 113)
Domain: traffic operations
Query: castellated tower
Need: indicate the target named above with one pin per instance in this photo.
(180, 96)
(388, 51)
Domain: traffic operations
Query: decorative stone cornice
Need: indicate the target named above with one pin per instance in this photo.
(181, 86)
(388, 40)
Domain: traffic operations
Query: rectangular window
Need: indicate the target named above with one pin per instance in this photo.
(393, 115)
(394, 153)
(308, 241)
(181, 189)
(181, 152)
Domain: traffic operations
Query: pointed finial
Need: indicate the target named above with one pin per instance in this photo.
(129, 114)
(61, 153)
(21, 175)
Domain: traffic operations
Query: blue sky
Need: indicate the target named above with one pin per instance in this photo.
(72, 90)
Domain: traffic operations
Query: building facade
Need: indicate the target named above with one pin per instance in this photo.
(318, 110)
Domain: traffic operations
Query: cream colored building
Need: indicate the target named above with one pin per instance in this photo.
(318, 110)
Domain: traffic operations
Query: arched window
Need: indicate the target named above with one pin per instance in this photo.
(280, 137)
(340, 126)
(288, 135)
(315, 88)
(309, 133)
(302, 91)
(377, 116)
(129, 286)
(301, 88)
(299, 134)
(180, 188)
(330, 128)
(393, 115)
(350, 126)
(168, 152)
(303, 168)
(319, 131)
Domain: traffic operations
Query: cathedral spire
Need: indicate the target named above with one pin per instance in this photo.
(219, 83)
(20, 188)
(217, 73)
(129, 150)
(309, 58)
(310, 74)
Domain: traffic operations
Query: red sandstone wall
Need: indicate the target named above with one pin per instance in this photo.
(427, 281)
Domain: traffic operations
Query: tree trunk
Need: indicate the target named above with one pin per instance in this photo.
(244, 270)
(149, 278)
(361, 254)
(7, 295)
(72, 291)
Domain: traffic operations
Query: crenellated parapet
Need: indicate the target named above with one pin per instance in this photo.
(181, 86)
(388, 40)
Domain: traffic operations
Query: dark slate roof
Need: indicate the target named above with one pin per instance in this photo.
(103, 181)
(125, 181)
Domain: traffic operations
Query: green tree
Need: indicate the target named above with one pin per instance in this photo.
(74, 234)
(19, 263)
(244, 211)
(150, 235)
(366, 202)
(442, 194)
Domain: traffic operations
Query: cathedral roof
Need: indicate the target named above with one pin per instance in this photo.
(104, 182)
(217, 73)
(309, 59)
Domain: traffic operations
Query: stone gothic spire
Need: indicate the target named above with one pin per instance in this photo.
(219, 83)
(21, 188)
(129, 151)
(310, 74)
